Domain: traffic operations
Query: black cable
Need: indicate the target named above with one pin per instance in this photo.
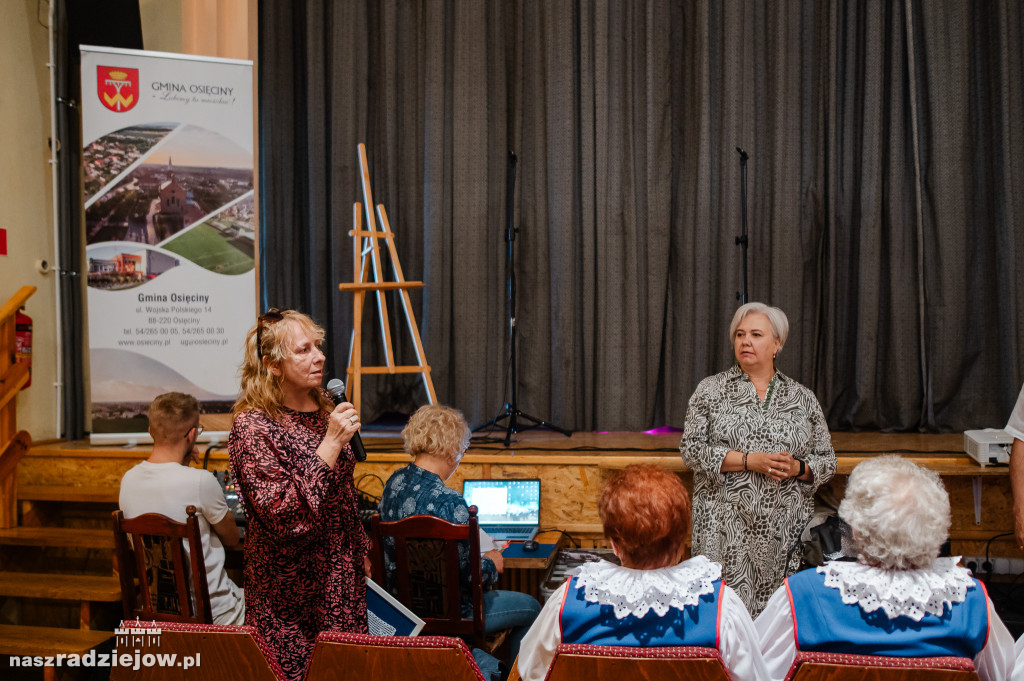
(363, 491)
(988, 547)
(575, 544)
(206, 455)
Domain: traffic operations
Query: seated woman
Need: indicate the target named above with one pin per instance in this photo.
(899, 598)
(436, 437)
(653, 599)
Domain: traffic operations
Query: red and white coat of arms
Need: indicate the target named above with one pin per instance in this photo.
(117, 87)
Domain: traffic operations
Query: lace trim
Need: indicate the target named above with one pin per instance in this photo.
(635, 592)
(900, 593)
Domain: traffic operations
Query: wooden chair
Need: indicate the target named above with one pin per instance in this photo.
(203, 652)
(843, 667)
(171, 579)
(427, 574)
(575, 661)
(361, 657)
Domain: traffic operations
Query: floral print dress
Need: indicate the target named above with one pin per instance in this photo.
(305, 544)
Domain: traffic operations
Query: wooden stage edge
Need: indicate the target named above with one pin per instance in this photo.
(943, 453)
(572, 472)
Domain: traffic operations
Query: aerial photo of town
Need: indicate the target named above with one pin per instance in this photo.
(110, 155)
(189, 177)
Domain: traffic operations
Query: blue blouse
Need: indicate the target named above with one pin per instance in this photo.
(415, 491)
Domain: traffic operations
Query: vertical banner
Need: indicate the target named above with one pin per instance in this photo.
(170, 231)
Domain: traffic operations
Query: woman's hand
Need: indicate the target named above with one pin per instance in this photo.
(777, 466)
(367, 566)
(343, 424)
(495, 556)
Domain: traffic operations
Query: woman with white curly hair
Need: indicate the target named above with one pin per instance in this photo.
(899, 598)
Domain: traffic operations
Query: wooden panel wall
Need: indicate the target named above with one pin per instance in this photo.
(572, 476)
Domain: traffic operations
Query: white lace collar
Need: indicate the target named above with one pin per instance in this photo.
(908, 593)
(635, 592)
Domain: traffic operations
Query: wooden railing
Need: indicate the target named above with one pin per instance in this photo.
(13, 375)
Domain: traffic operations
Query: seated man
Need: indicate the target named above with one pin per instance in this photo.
(165, 484)
(899, 598)
(437, 437)
(655, 598)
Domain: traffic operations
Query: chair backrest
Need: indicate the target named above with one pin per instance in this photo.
(574, 661)
(842, 667)
(202, 652)
(151, 551)
(426, 579)
(361, 657)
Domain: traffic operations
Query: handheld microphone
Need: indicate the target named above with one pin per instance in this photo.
(336, 388)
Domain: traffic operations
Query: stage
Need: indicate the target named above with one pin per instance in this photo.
(572, 471)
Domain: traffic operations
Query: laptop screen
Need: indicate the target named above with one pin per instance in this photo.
(504, 502)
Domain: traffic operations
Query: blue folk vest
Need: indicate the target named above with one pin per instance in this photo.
(823, 623)
(596, 624)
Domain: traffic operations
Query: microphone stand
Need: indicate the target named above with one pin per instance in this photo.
(741, 240)
(511, 409)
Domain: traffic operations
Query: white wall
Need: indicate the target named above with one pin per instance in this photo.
(26, 208)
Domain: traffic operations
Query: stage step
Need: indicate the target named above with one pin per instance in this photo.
(86, 588)
(32, 641)
(63, 537)
(92, 495)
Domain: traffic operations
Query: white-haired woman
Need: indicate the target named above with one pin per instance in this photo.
(899, 598)
(759, 447)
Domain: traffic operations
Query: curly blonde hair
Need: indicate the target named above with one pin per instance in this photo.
(437, 431)
(261, 389)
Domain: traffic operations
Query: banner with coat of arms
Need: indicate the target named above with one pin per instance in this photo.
(170, 231)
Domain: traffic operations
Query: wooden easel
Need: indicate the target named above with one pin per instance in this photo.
(367, 261)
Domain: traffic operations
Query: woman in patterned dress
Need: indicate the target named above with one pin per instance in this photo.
(305, 548)
(759, 447)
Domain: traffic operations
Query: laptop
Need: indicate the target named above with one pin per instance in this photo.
(508, 510)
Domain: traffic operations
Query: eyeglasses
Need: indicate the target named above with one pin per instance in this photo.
(271, 316)
(199, 431)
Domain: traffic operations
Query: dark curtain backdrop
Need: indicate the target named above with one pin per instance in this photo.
(886, 196)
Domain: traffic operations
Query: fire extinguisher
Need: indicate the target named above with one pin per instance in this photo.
(23, 342)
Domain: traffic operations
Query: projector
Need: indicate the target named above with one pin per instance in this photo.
(989, 447)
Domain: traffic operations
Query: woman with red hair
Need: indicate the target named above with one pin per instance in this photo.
(655, 598)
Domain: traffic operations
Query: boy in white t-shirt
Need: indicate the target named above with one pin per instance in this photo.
(165, 484)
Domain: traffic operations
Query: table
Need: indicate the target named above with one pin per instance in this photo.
(525, 572)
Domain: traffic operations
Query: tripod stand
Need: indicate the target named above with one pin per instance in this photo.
(742, 240)
(511, 409)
